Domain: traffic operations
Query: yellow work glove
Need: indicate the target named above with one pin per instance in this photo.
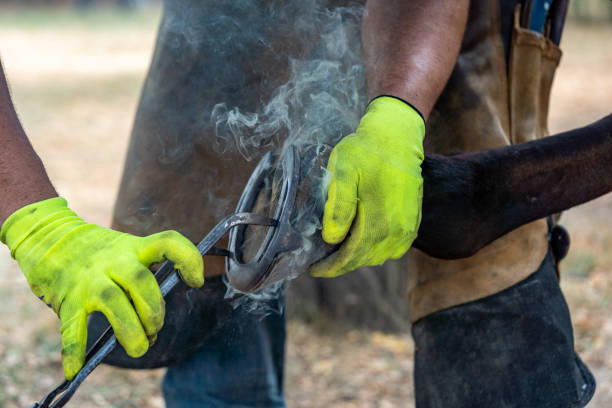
(374, 198)
(78, 268)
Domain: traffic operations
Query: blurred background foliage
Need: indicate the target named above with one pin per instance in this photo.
(76, 3)
(584, 10)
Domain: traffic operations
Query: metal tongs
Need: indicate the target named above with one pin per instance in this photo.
(244, 276)
(167, 277)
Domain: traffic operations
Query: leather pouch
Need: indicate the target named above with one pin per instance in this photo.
(533, 61)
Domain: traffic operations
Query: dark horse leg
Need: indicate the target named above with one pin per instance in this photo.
(470, 199)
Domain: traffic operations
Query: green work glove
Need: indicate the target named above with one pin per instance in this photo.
(78, 268)
(374, 198)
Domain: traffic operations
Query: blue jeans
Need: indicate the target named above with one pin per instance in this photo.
(239, 366)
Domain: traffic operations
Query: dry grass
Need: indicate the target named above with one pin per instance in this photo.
(76, 79)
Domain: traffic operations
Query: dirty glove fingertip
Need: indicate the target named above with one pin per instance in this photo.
(340, 210)
(176, 248)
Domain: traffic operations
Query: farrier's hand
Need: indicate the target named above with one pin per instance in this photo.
(78, 268)
(374, 199)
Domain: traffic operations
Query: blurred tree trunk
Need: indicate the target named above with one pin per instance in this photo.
(591, 10)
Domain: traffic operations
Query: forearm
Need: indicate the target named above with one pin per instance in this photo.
(410, 47)
(23, 179)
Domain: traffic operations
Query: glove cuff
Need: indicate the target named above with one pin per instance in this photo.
(401, 100)
(406, 119)
(27, 220)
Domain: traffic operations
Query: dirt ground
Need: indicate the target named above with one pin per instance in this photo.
(75, 79)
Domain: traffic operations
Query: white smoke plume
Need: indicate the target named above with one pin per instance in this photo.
(318, 96)
(321, 102)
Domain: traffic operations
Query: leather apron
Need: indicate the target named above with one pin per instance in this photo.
(494, 329)
(488, 103)
(216, 69)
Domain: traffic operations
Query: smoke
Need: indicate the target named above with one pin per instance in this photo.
(309, 219)
(321, 101)
(267, 74)
(261, 303)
